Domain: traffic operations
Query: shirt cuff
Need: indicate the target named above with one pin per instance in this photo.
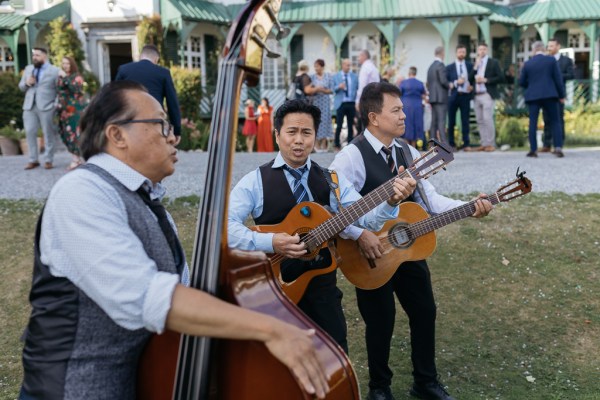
(264, 242)
(351, 232)
(391, 211)
(157, 302)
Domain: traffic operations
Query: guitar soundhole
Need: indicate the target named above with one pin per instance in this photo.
(399, 237)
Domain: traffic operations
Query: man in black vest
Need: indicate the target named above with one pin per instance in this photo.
(272, 190)
(369, 161)
(109, 270)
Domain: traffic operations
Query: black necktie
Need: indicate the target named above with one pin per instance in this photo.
(390, 159)
(346, 82)
(299, 190)
(161, 215)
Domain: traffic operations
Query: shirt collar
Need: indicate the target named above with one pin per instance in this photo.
(129, 177)
(376, 143)
(557, 56)
(279, 162)
(439, 59)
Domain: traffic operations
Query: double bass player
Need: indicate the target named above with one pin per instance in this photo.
(109, 269)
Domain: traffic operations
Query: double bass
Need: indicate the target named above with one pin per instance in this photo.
(175, 366)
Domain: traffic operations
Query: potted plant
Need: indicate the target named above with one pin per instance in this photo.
(9, 141)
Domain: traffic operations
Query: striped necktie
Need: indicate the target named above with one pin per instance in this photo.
(390, 159)
(300, 193)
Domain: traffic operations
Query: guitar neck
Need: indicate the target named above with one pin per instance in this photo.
(350, 214)
(447, 217)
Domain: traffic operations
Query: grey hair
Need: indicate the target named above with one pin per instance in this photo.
(538, 45)
(439, 51)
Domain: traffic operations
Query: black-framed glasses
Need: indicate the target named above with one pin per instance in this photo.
(166, 127)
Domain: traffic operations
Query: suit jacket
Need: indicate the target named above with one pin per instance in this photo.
(339, 94)
(44, 92)
(159, 83)
(541, 79)
(494, 75)
(437, 83)
(452, 75)
(565, 65)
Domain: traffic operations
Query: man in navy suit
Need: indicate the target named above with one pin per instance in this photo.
(460, 95)
(544, 89)
(157, 80)
(345, 85)
(565, 65)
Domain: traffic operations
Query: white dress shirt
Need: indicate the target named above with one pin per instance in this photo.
(246, 198)
(368, 74)
(86, 238)
(349, 162)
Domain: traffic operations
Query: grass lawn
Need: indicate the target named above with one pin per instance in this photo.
(518, 297)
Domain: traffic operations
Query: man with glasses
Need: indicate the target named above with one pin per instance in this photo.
(157, 80)
(39, 84)
(109, 269)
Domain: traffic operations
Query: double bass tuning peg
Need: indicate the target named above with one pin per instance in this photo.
(282, 31)
(259, 37)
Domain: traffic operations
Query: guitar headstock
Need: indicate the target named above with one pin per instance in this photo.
(253, 26)
(430, 162)
(514, 189)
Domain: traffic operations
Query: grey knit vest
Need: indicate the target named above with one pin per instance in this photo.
(82, 353)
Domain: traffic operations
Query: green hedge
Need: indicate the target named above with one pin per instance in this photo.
(11, 100)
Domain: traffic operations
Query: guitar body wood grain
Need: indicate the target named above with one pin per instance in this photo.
(371, 275)
(301, 219)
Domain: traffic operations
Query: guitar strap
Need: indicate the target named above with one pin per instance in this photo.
(407, 155)
(332, 180)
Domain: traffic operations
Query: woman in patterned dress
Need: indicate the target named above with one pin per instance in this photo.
(71, 103)
(323, 82)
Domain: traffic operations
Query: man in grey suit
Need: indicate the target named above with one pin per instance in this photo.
(438, 86)
(39, 84)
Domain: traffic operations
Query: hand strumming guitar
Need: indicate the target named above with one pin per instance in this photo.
(289, 246)
(370, 246)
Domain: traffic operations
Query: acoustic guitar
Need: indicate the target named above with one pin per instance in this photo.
(411, 237)
(317, 227)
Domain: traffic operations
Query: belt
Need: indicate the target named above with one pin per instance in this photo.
(463, 93)
(477, 94)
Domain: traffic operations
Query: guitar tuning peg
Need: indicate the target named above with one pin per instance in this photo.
(259, 41)
(282, 31)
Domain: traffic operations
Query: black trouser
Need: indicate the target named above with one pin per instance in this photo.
(412, 285)
(462, 102)
(348, 110)
(548, 138)
(322, 302)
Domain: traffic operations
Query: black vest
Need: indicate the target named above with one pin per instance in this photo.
(278, 196)
(376, 169)
(278, 201)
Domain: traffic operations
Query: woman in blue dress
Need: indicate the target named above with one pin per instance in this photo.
(322, 99)
(413, 93)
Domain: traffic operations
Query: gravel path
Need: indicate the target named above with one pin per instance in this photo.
(577, 172)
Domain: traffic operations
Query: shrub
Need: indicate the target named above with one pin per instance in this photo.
(91, 83)
(63, 41)
(194, 135)
(150, 31)
(189, 91)
(11, 100)
(10, 132)
(511, 132)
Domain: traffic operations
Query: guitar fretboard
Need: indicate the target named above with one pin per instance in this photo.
(352, 213)
(447, 217)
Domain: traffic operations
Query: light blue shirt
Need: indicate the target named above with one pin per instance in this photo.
(86, 238)
(350, 162)
(247, 199)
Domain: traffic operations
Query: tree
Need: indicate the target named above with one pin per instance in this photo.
(63, 41)
(150, 31)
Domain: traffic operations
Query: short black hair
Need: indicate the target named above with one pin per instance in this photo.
(371, 99)
(42, 49)
(108, 105)
(461, 46)
(296, 106)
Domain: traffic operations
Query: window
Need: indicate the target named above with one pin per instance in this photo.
(194, 52)
(273, 68)
(7, 61)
